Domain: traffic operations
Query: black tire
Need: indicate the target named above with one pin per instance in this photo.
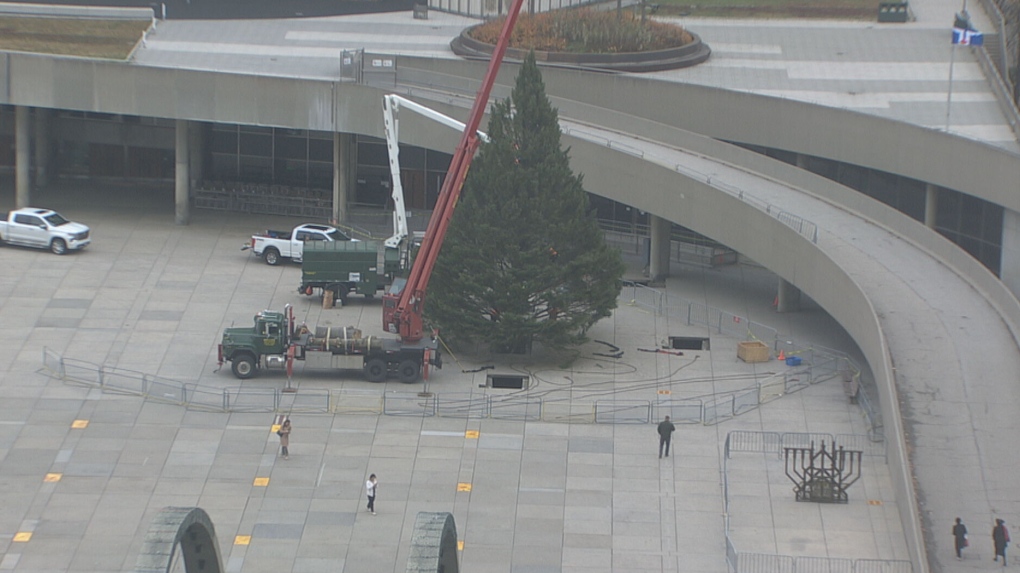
(375, 370)
(58, 247)
(272, 256)
(243, 366)
(407, 371)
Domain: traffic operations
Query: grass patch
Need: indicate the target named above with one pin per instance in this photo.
(89, 38)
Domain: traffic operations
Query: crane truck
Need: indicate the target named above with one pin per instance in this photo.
(276, 342)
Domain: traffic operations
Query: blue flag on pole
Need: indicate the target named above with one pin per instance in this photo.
(968, 37)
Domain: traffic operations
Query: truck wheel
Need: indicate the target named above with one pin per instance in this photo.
(58, 246)
(272, 256)
(243, 366)
(375, 370)
(407, 372)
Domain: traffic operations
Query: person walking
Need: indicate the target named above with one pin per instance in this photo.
(1000, 537)
(666, 429)
(960, 537)
(370, 488)
(284, 433)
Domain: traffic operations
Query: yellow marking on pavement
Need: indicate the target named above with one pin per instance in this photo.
(242, 540)
(665, 392)
(22, 536)
(51, 478)
(460, 546)
(471, 434)
(261, 482)
(462, 486)
(80, 424)
(874, 502)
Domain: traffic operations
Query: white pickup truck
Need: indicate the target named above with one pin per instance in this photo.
(31, 227)
(274, 246)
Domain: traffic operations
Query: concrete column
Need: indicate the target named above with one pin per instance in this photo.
(658, 261)
(182, 182)
(42, 147)
(931, 204)
(788, 299)
(345, 167)
(22, 156)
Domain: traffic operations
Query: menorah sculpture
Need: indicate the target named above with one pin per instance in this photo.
(822, 476)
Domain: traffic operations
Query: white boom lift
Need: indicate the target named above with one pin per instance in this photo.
(391, 106)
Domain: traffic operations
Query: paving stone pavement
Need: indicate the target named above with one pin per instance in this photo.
(536, 496)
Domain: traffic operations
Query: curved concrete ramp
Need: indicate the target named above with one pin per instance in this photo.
(433, 544)
(188, 528)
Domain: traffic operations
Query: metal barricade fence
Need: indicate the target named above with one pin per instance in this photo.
(204, 399)
(347, 401)
(745, 401)
(53, 363)
(305, 401)
(164, 390)
(251, 400)
(622, 412)
(746, 441)
(679, 411)
(718, 410)
(462, 405)
(771, 388)
(764, 563)
(81, 371)
(122, 380)
(521, 408)
(882, 566)
(408, 404)
(803, 564)
(567, 412)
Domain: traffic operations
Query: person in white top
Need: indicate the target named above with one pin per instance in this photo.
(370, 487)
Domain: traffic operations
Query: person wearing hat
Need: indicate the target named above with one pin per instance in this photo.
(1000, 537)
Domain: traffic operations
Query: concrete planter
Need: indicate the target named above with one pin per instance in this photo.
(653, 61)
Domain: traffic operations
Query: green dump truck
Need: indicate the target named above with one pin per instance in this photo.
(345, 267)
(275, 340)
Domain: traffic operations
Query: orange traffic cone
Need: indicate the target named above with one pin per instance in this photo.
(781, 356)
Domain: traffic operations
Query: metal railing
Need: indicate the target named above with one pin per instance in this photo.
(745, 441)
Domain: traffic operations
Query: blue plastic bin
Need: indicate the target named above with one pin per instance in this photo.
(793, 360)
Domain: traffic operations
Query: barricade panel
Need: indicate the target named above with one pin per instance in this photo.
(305, 401)
(764, 563)
(565, 411)
(805, 440)
(165, 390)
(622, 412)
(753, 442)
(126, 381)
(408, 404)
(745, 401)
(250, 400)
(204, 398)
(53, 363)
(718, 410)
(797, 379)
(823, 565)
(521, 408)
(346, 401)
(861, 443)
(882, 566)
(81, 371)
(462, 405)
(679, 411)
(771, 388)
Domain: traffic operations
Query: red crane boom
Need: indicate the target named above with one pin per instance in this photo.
(402, 312)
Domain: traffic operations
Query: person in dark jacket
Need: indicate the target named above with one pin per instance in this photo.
(666, 429)
(1000, 537)
(960, 536)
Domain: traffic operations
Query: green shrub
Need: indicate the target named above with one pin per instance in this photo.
(585, 31)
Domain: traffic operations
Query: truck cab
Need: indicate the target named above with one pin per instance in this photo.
(245, 347)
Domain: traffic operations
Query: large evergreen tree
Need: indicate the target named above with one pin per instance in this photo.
(524, 259)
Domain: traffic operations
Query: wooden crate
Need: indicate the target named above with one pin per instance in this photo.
(753, 351)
